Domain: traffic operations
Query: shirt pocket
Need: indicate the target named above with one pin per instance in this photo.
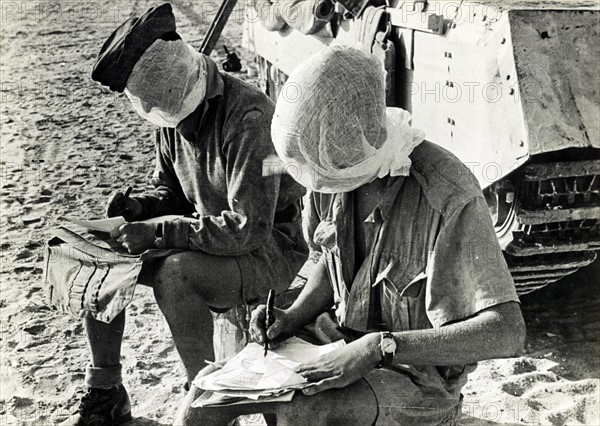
(401, 280)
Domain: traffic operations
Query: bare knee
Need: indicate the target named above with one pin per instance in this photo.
(215, 280)
(174, 268)
(188, 416)
(171, 282)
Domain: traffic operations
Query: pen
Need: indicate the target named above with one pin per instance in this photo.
(270, 317)
(125, 197)
(127, 194)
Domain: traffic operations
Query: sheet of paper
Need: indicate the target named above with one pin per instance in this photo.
(250, 377)
(251, 370)
(254, 395)
(296, 351)
(107, 225)
(212, 399)
(102, 225)
(251, 373)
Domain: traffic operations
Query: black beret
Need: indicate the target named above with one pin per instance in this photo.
(127, 44)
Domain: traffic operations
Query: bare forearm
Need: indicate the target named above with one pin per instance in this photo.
(463, 343)
(494, 333)
(316, 297)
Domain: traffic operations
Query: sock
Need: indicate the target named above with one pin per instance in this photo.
(103, 377)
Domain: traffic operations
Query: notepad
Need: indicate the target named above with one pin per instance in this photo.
(250, 377)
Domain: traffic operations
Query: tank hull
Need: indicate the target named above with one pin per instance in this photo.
(512, 89)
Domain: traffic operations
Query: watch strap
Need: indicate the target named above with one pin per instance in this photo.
(387, 356)
(158, 237)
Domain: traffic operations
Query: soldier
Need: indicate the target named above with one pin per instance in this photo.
(246, 235)
(410, 262)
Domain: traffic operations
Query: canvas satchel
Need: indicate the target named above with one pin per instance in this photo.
(88, 276)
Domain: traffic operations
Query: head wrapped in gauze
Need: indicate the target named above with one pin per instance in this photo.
(168, 82)
(331, 127)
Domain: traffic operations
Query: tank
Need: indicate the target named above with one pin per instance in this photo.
(511, 88)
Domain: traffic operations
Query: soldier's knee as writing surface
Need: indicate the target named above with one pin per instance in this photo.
(354, 404)
(175, 275)
(188, 267)
(183, 277)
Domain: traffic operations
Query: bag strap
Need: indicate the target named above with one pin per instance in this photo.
(92, 249)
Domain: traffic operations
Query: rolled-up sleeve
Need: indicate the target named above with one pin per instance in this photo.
(467, 272)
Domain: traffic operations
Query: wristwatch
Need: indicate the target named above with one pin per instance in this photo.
(388, 348)
(158, 237)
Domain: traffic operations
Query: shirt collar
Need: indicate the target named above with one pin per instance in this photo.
(386, 202)
(215, 89)
(215, 84)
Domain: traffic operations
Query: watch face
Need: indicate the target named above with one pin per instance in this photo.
(388, 345)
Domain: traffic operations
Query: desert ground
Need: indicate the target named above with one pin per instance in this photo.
(66, 144)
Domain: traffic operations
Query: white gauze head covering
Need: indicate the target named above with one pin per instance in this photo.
(168, 82)
(331, 127)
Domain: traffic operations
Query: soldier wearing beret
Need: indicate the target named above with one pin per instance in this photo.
(245, 234)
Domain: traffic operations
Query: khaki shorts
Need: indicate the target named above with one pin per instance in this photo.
(274, 265)
(400, 398)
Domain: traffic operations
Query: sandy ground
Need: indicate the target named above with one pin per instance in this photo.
(66, 144)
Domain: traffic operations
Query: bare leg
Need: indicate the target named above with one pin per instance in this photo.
(186, 284)
(192, 331)
(192, 416)
(105, 352)
(104, 340)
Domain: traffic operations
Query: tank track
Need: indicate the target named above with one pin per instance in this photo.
(558, 214)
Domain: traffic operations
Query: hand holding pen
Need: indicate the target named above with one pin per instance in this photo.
(123, 205)
(269, 329)
(123, 201)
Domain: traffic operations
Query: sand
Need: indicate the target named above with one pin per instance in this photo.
(66, 144)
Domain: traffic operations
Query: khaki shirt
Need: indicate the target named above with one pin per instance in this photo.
(216, 172)
(434, 258)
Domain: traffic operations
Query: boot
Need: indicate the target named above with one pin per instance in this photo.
(102, 407)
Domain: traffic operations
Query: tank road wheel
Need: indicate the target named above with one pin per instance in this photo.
(500, 198)
(547, 220)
